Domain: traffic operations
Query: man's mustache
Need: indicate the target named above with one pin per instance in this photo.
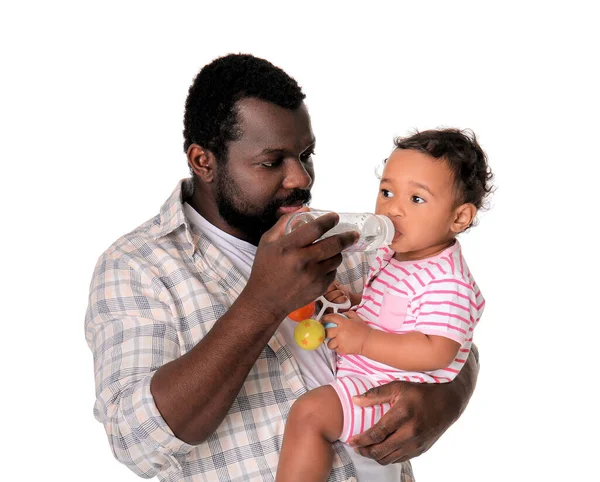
(302, 195)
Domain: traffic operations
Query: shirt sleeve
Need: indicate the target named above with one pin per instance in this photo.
(131, 334)
(445, 308)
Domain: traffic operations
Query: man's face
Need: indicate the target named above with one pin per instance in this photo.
(269, 170)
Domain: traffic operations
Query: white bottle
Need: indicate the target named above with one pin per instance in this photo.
(375, 230)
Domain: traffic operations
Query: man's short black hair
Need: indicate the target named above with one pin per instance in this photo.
(210, 118)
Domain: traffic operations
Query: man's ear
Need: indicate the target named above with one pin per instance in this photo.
(202, 162)
(463, 217)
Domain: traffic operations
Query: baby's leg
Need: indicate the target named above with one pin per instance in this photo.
(314, 423)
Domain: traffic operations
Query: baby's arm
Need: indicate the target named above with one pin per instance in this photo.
(413, 351)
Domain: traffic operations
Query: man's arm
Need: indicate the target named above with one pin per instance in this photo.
(420, 413)
(151, 400)
(194, 392)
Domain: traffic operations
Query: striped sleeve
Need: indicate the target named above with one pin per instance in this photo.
(445, 308)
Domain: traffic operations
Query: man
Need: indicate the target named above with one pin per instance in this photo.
(194, 358)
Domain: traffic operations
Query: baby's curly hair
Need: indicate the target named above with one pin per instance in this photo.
(463, 154)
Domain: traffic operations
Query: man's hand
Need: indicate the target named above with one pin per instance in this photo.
(420, 413)
(290, 271)
(350, 334)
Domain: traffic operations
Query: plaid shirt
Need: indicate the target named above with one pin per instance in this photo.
(154, 294)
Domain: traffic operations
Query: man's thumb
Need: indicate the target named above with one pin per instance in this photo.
(374, 396)
(278, 230)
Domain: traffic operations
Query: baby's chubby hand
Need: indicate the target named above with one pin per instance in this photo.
(335, 293)
(350, 334)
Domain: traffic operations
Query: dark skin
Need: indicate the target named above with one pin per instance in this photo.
(269, 161)
(420, 414)
(191, 392)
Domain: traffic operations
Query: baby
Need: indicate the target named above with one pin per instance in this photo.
(415, 318)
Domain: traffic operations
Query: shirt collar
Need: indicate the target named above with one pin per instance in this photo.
(171, 215)
(382, 257)
(198, 247)
(384, 254)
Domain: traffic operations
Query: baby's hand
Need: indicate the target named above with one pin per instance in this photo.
(350, 334)
(336, 294)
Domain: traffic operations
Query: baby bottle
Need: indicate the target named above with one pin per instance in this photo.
(375, 230)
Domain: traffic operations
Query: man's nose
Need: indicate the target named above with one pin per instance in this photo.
(297, 176)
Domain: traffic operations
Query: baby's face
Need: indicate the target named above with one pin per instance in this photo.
(417, 193)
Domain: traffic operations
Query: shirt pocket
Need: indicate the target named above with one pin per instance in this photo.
(394, 308)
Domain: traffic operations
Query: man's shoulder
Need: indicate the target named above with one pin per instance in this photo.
(135, 242)
(157, 233)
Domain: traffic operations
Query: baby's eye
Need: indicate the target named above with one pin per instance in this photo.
(418, 200)
(386, 193)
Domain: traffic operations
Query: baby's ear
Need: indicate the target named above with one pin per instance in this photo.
(463, 217)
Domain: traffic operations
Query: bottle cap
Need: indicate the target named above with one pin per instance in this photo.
(390, 230)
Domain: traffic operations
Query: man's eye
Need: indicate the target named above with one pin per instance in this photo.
(306, 158)
(271, 163)
(386, 193)
(418, 200)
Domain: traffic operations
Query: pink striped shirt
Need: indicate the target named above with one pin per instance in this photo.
(435, 296)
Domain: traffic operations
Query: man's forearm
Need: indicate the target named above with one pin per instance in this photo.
(466, 380)
(420, 413)
(194, 392)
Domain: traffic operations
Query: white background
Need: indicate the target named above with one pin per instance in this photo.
(92, 98)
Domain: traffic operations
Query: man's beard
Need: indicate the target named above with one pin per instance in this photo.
(238, 214)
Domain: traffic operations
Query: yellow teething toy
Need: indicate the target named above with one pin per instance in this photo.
(310, 333)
